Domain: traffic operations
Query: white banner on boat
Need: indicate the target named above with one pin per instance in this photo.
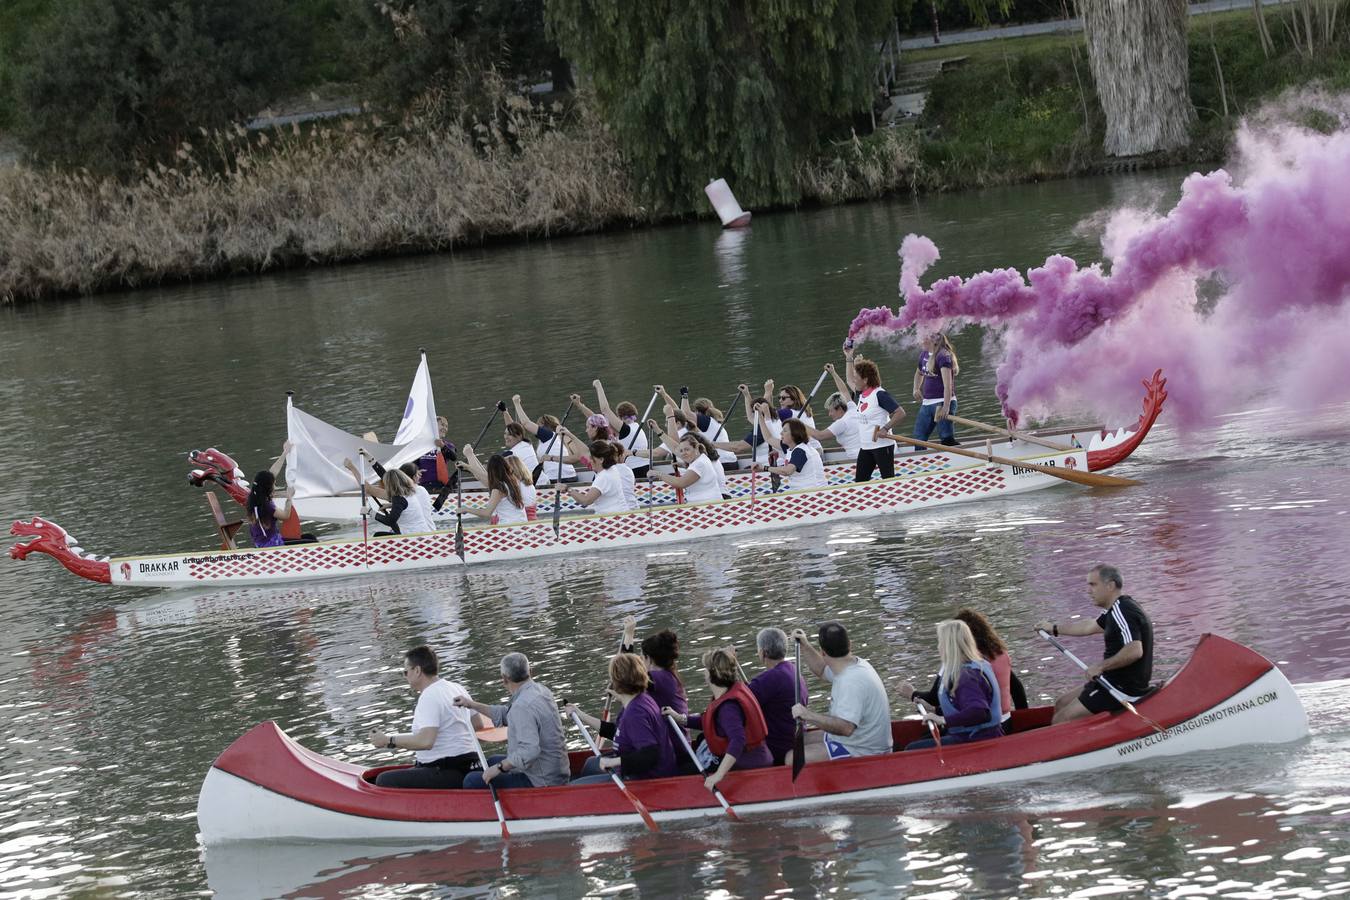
(315, 464)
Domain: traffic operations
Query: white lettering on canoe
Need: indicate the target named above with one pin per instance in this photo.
(1231, 709)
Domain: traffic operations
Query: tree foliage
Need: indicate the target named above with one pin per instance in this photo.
(448, 46)
(742, 89)
(103, 81)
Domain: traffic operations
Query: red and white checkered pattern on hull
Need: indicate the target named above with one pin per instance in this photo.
(953, 482)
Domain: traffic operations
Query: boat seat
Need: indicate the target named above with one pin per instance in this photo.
(225, 528)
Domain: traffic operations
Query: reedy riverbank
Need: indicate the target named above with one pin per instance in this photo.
(239, 202)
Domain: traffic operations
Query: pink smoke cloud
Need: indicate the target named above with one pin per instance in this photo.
(1070, 339)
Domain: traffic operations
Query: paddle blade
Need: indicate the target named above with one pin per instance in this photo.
(639, 806)
(798, 750)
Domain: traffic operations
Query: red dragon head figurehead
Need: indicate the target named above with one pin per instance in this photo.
(52, 539)
(48, 537)
(212, 465)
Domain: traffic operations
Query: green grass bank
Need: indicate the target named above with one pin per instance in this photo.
(235, 202)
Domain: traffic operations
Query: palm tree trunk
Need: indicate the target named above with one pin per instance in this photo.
(1138, 53)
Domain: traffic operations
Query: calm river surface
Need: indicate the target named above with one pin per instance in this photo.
(113, 705)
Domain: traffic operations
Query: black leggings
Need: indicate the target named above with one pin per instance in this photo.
(882, 458)
(446, 773)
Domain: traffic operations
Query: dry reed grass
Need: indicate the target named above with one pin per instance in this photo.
(863, 168)
(240, 202)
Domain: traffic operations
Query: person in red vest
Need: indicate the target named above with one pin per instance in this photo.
(733, 725)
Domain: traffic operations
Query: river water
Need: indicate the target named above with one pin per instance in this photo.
(112, 705)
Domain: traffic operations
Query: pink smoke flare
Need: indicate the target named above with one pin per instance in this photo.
(1070, 339)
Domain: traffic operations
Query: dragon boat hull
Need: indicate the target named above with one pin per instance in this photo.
(925, 481)
(265, 786)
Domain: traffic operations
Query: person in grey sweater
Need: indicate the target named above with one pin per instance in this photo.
(535, 753)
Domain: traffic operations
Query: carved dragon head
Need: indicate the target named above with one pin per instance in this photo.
(215, 466)
(47, 537)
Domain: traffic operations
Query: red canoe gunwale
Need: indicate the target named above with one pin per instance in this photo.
(1219, 669)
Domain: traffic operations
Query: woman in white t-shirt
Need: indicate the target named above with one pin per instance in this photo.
(700, 481)
(612, 490)
(528, 495)
(757, 443)
(550, 444)
(792, 399)
(517, 440)
(843, 426)
(506, 500)
(800, 462)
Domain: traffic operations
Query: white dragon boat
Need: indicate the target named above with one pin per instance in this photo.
(265, 786)
(934, 479)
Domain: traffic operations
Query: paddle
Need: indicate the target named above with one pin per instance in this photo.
(933, 730)
(445, 490)
(365, 514)
(721, 426)
(1101, 680)
(819, 381)
(1092, 479)
(754, 446)
(482, 760)
(637, 804)
(1007, 432)
(637, 426)
(561, 446)
(684, 742)
(459, 511)
(799, 737)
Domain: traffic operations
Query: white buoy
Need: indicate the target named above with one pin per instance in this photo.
(724, 202)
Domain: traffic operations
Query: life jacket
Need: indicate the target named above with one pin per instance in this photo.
(442, 468)
(755, 728)
(995, 711)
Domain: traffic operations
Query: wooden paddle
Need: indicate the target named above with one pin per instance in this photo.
(933, 730)
(459, 475)
(1091, 479)
(1106, 685)
(684, 742)
(496, 802)
(1007, 432)
(799, 737)
(561, 446)
(637, 804)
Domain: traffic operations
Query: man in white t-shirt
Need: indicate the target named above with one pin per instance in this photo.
(859, 720)
(442, 733)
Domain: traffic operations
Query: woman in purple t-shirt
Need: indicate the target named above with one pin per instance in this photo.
(264, 521)
(935, 389)
(644, 746)
(661, 653)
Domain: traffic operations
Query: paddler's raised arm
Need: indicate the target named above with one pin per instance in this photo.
(474, 466)
(525, 421)
(614, 421)
(586, 411)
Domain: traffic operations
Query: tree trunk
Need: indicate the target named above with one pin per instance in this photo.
(1138, 54)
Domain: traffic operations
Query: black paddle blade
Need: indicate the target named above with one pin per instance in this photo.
(798, 750)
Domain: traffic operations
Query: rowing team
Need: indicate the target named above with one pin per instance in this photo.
(754, 723)
(783, 441)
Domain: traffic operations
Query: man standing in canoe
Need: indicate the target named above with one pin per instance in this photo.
(1129, 648)
(442, 732)
(536, 755)
(859, 720)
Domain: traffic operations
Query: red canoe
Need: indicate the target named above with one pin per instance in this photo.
(266, 787)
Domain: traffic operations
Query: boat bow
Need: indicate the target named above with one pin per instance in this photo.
(56, 542)
(1108, 448)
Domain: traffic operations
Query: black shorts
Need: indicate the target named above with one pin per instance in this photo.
(1096, 698)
